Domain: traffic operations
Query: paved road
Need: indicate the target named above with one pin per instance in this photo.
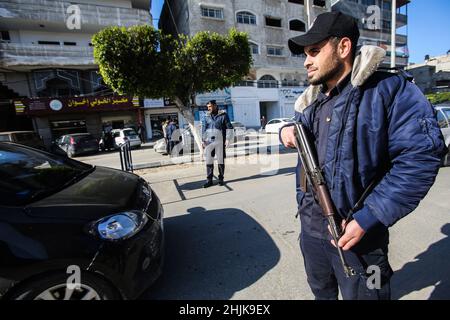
(240, 241)
(148, 157)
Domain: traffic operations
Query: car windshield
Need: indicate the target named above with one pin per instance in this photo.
(129, 132)
(27, 175)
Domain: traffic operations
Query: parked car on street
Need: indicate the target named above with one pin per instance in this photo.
(186, 139)
(28, 138)
(61, 218)
(443, 117)
(274, 125)
(127, 134)
(75, 144)
(239, 130)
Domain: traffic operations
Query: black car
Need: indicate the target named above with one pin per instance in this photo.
(76, 144)
(66, 222)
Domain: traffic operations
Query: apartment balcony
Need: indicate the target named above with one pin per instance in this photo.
(25, 57)
(21, 14)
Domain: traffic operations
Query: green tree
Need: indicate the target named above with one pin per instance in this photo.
(143, 61)
(440, 97)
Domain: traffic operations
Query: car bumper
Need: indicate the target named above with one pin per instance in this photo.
(134, 264)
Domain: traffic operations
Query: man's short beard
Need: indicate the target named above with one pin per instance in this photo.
(335, 68)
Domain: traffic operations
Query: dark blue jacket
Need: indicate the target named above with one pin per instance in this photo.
(170, 129)
(221, 122)
(385, 128)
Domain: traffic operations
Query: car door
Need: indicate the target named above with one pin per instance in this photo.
(272, 126)
(443, 117)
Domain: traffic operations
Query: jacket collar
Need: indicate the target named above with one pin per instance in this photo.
(366, 63)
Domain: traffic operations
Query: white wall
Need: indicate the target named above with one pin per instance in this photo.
(246, 111)
(109, 3)
(32, 37)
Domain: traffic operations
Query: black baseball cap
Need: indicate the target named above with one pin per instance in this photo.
(328, 24)
(212, 102)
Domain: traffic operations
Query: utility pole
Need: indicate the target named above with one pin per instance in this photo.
(393, 32)
(308, 13)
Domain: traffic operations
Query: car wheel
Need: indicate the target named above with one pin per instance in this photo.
(55, 287)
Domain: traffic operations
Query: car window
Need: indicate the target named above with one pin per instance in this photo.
(4, 137)
(273, 121)
(27, 175)
(442, 120)
(446, 111)
(84, 138)
(116, 134)
(129, 133)
(24, 136)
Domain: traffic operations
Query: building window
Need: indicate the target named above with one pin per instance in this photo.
(320, 3)
(290, 83)
(273, 22)
(245, 17)
(297, 25)
(274, 51)
(267, 81)
(297, 1)
(387, 5)
(368, 2)
(4, 36)
(386, 25)
(212, 13)
(55, 43)
(254, 48)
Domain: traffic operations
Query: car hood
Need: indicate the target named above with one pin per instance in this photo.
(103, 192)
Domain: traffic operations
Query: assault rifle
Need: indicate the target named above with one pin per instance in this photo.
(316, 180)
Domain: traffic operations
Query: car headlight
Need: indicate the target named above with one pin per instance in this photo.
(119, 226)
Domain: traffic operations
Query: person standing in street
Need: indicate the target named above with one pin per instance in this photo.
(217, 131)
(172, 135)
(378, 143)
(164, 130)
(263, 122)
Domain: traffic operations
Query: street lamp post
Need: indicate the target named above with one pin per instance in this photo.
(393, 32)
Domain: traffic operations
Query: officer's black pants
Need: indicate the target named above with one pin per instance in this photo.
(325, 273)
(220, 164)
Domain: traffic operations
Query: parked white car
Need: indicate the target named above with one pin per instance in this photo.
(443, 117)
(274, 125)
(127, 134)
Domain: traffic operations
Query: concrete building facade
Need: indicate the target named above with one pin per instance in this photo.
(277, 77)
(46, 58)
(432, 75)
(276, 73)
(375, 25)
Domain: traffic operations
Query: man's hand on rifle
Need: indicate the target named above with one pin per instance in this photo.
(352, 235)
(288, 136)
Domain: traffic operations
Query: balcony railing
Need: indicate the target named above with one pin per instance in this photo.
(16, 54)
(56, 12)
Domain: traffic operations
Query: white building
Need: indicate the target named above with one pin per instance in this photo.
(46, 54)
